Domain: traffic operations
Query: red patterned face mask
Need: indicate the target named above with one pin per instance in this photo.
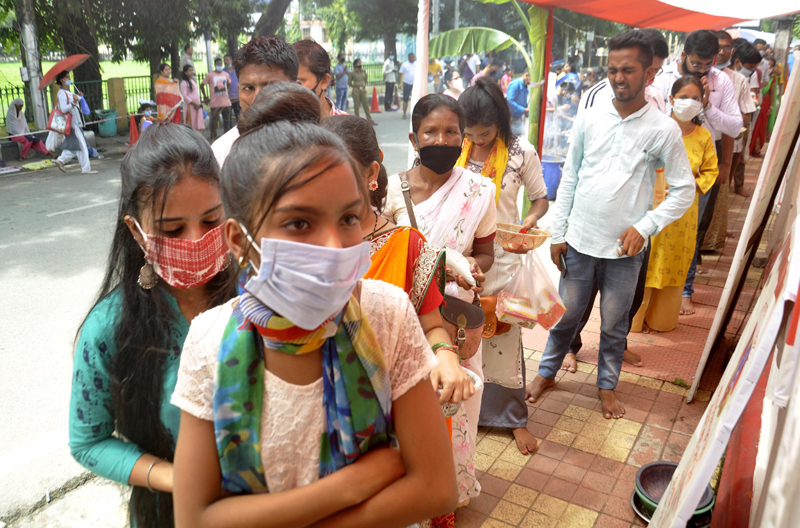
(184, 263)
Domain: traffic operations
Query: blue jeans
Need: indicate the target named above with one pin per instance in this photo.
(341, 99)
(616, 280)
(688, 287)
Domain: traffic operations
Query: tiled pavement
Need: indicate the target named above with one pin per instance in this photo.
(582, 473)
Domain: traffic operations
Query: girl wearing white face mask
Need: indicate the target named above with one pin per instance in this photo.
(454, 83)
(671, 269)
(168, 262)
(293, 392)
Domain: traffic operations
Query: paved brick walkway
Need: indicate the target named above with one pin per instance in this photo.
(581, 476)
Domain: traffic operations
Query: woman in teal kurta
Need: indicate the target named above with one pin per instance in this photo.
(168, 263)
(92, 422)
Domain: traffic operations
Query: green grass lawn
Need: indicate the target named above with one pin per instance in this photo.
(9, 71)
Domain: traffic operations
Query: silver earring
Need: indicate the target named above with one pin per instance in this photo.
(147, 277)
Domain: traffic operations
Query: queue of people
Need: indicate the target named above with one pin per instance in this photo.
(258, 356)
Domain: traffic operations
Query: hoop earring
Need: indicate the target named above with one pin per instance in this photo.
(147, 277)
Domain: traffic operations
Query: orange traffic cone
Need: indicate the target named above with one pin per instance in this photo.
(376, 109)
(134, 132)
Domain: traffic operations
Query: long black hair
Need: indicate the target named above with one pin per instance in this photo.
(143, 336)
(185, 77)
(484, 104)
(361, 141)
(280, 142)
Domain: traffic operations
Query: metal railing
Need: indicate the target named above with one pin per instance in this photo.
(374, 72)
(10, 92)
(137, 88)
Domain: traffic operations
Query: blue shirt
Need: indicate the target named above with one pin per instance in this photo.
(233, 89)
(609, 174)
(341, 82)
(517, 96)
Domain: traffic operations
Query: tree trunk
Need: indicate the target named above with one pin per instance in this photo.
(272, 18)
(154, 55)
(175, 59)
(77, 36)
(232, 43)
(389, 44)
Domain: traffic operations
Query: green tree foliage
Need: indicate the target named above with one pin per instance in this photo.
(384, 19)
(340, 23)
(140, 27)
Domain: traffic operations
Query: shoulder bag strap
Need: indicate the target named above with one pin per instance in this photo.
(406, 188)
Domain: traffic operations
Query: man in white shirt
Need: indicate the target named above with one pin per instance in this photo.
(186, 58)
(602, 94)
(473, 62)
(722, 116)
(761, 46)
(389, 79)
(747, 107)
(606, 193)
(602, 90)
(262, 61)
(407, 72)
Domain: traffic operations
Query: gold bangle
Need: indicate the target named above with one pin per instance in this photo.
(147, 478)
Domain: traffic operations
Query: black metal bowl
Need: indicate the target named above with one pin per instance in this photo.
(653, 479)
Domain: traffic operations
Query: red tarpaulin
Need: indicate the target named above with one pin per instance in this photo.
(652, 13)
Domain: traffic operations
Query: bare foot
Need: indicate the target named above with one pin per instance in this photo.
(743, 193)
(60, 165)
(525, 441)
(535, 388)
(730, 234)
(687, 308)
(612, 407)
(570, 363)
(632, 357)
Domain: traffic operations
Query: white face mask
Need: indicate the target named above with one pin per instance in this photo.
(458, 84)
(722, 66)
(306, 284)
(686, 109)
(746, 71)
(219, 67)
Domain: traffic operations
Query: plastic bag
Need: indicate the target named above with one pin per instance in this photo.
(531, 297)
(54, 140)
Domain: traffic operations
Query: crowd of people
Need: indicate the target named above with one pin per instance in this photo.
(251, 337)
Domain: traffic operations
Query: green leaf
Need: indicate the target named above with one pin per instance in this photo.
(471, 40)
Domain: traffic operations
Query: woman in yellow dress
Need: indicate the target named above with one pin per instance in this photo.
(673, 249)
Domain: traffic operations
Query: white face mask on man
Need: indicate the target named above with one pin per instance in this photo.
(686, 109)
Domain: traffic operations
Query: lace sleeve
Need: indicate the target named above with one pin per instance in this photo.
(194, 391)
(408, 354)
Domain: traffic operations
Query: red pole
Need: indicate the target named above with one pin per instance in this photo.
(548, 58)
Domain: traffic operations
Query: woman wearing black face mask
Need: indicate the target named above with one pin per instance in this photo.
(453, 207)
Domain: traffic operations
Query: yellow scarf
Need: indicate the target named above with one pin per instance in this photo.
(495, 165)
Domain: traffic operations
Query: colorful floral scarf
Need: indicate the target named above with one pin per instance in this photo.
(494, 167)
(357, 392)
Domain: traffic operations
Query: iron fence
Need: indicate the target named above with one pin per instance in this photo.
(95, 93)
(10, 92)
(136, 89)
(374, 72)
